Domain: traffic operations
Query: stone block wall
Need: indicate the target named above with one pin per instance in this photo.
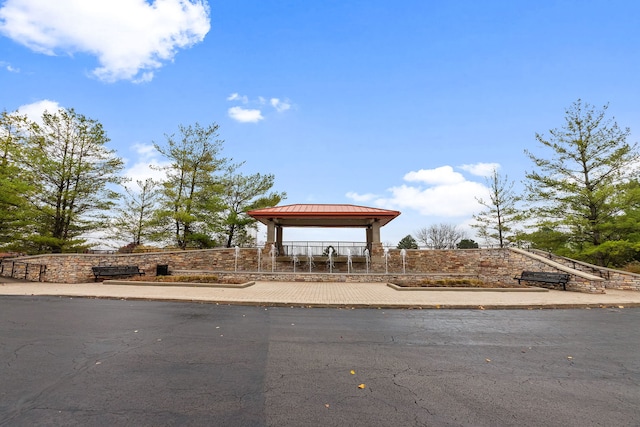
(491, 265)
(623, 281)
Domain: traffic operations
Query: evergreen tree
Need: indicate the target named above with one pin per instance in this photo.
(497, 222)
(190, 192)
(239, 195)
(72, 171)
(575, 190)
(16, 216)
(134, 222)
(467, 244)
(407, 242)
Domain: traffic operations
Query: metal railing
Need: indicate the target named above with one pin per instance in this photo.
(304, 248)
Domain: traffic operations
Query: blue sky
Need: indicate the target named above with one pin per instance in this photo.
(402, 105)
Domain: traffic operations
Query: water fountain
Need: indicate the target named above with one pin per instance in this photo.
(309, 258)
(259, 261)
(367, 259)
(330, 261)
(386, 260)
(273, 252)
(347, 260)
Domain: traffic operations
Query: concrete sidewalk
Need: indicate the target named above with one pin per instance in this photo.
(371, 295)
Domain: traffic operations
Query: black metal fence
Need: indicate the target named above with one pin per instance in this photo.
(322, 248)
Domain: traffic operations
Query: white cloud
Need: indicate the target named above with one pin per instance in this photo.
(9, 67)
(280, 106)
(254, 115)
(237, 97)
(481, 169)
(360, 197)
(441, 175)
(35, 110)
(146, 165)
(130, 38)
(438, 192)
(448, 200)
(245, 115)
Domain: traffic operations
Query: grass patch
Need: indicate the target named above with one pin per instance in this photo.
(632, 267)
(190, 279)
(454, 283)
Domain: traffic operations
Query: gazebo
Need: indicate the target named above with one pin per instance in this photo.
(324, 215)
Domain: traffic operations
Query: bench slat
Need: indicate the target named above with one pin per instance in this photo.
(544, 277)
(116, 270)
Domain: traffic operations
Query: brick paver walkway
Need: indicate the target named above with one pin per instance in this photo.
(332, 295)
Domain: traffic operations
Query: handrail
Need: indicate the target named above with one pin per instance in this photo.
(319, 248)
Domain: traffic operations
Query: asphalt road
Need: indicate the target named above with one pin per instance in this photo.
(95, 362)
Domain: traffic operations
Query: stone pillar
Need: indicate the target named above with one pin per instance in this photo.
(377, 249)
(271, 238)
(375, 232)
(271, 232)
(279, 239)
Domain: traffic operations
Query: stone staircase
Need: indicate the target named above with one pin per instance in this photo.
(613, 279)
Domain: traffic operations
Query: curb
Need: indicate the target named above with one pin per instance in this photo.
(586, 306)
(470, 289)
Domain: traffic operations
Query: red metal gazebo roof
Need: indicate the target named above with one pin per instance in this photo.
(323, 215)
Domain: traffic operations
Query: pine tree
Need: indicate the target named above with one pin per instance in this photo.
(408, 242)
(134, 222)
(575, 190)
(497, 222)
(190, 192)
(72, 171)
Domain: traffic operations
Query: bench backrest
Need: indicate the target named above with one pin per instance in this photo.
(116, 269)
(544, 275)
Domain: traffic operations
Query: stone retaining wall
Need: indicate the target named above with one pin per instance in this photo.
(490, 265)
(622, 281)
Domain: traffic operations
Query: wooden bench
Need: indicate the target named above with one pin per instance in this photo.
(544, 277)
(116, 270)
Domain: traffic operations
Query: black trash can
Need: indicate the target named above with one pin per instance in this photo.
(162, 270)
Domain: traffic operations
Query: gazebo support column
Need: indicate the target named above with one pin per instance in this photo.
(374, 244)
(271, 232)
(274, 237)
(375, 232)
(279, 239)
(377, 250)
